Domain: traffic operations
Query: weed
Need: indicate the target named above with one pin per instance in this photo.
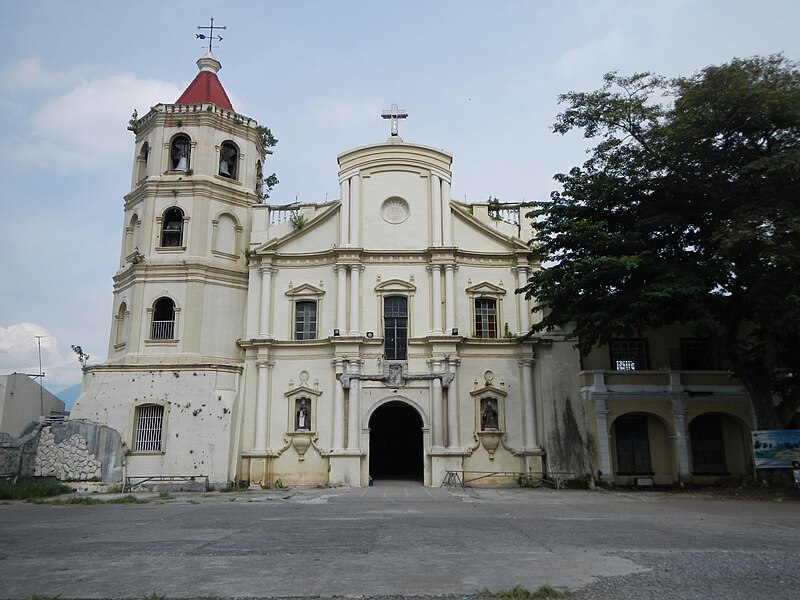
(128, 499)
(165, 495)
(28, 490)
(545, 592)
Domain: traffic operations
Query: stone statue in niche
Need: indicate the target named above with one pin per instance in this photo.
(302, 415)
(488, 414)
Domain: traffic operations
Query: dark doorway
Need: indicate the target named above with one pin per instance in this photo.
(395, 443)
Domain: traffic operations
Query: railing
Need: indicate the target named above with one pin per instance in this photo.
(193, 481)
(660, 382)
(163, 330)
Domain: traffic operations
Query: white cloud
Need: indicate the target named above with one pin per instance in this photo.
(29, 74)
(19, 353)
(85, 129)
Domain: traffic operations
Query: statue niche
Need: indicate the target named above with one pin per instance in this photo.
(302, 419)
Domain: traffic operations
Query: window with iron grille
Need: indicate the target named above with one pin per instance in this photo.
(633, 445)
(305, 320)
(149, 424)
(485, 318)
(163, 320)
(629, 355)
(395, 327)
(708, 445)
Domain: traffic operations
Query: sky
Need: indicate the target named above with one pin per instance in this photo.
(479, 79)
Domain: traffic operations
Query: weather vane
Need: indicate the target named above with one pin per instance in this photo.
(210, 37)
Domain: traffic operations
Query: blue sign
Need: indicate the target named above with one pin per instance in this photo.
(776, 449)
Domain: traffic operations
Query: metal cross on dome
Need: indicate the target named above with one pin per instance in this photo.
(210, 37)
(394, 114)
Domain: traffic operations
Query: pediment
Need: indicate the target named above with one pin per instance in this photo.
(395, 285)
(486, 289)
(305, 289)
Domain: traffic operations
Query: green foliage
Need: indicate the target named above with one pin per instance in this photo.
(127, 499)
(83, 358)
(298, 220)
(687, 211)
(265, 135)
(29, 490)
(544, 592)
(133, 122)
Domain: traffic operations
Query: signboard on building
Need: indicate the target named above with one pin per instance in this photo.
(776, 449)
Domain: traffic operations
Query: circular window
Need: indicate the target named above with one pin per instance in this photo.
(394, 210)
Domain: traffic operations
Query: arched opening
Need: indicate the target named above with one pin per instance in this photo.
(642, 447)
(719, 446)
(395, 443)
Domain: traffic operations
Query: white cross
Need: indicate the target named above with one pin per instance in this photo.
(394, 114)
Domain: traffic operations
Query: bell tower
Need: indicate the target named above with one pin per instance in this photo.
(181, 287)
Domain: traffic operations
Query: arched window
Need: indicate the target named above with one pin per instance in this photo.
(141, 171)
(119, 334)
(180, 153)
(163, 319)
(395, 327)
(228, 160)
(172, 228)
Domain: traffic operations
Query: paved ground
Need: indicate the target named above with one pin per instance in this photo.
(399, 538)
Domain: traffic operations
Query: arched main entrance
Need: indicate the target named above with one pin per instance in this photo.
(395, 442)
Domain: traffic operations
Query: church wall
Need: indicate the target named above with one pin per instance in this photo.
(564, 421)
(198, 405)
(413, 187)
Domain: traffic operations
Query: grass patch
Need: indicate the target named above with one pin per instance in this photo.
(29, 490)
(129, 499)
(545, 592)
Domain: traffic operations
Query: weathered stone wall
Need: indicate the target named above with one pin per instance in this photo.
(69, 451)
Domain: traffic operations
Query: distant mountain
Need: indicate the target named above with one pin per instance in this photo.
(69, 395)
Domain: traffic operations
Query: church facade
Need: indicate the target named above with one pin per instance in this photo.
(372, 336)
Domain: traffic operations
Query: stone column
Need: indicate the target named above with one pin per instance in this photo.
(344, 213)
(353, 408)
(452, 408)
(436, 403)
(529, 403)
(524, 309)
(341, 297)
(447, 217)
(338, 407)
(436, 299)
(253, 288)
(264, 324)
(262, 406)
(355, 234)
(603, 436)
(449, 298)
(681, 449)
(355, 298)
(436, 210)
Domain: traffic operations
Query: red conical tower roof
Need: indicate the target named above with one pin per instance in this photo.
(206, 86)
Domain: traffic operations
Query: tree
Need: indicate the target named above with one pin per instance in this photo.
(268, 140)
(687, 211)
